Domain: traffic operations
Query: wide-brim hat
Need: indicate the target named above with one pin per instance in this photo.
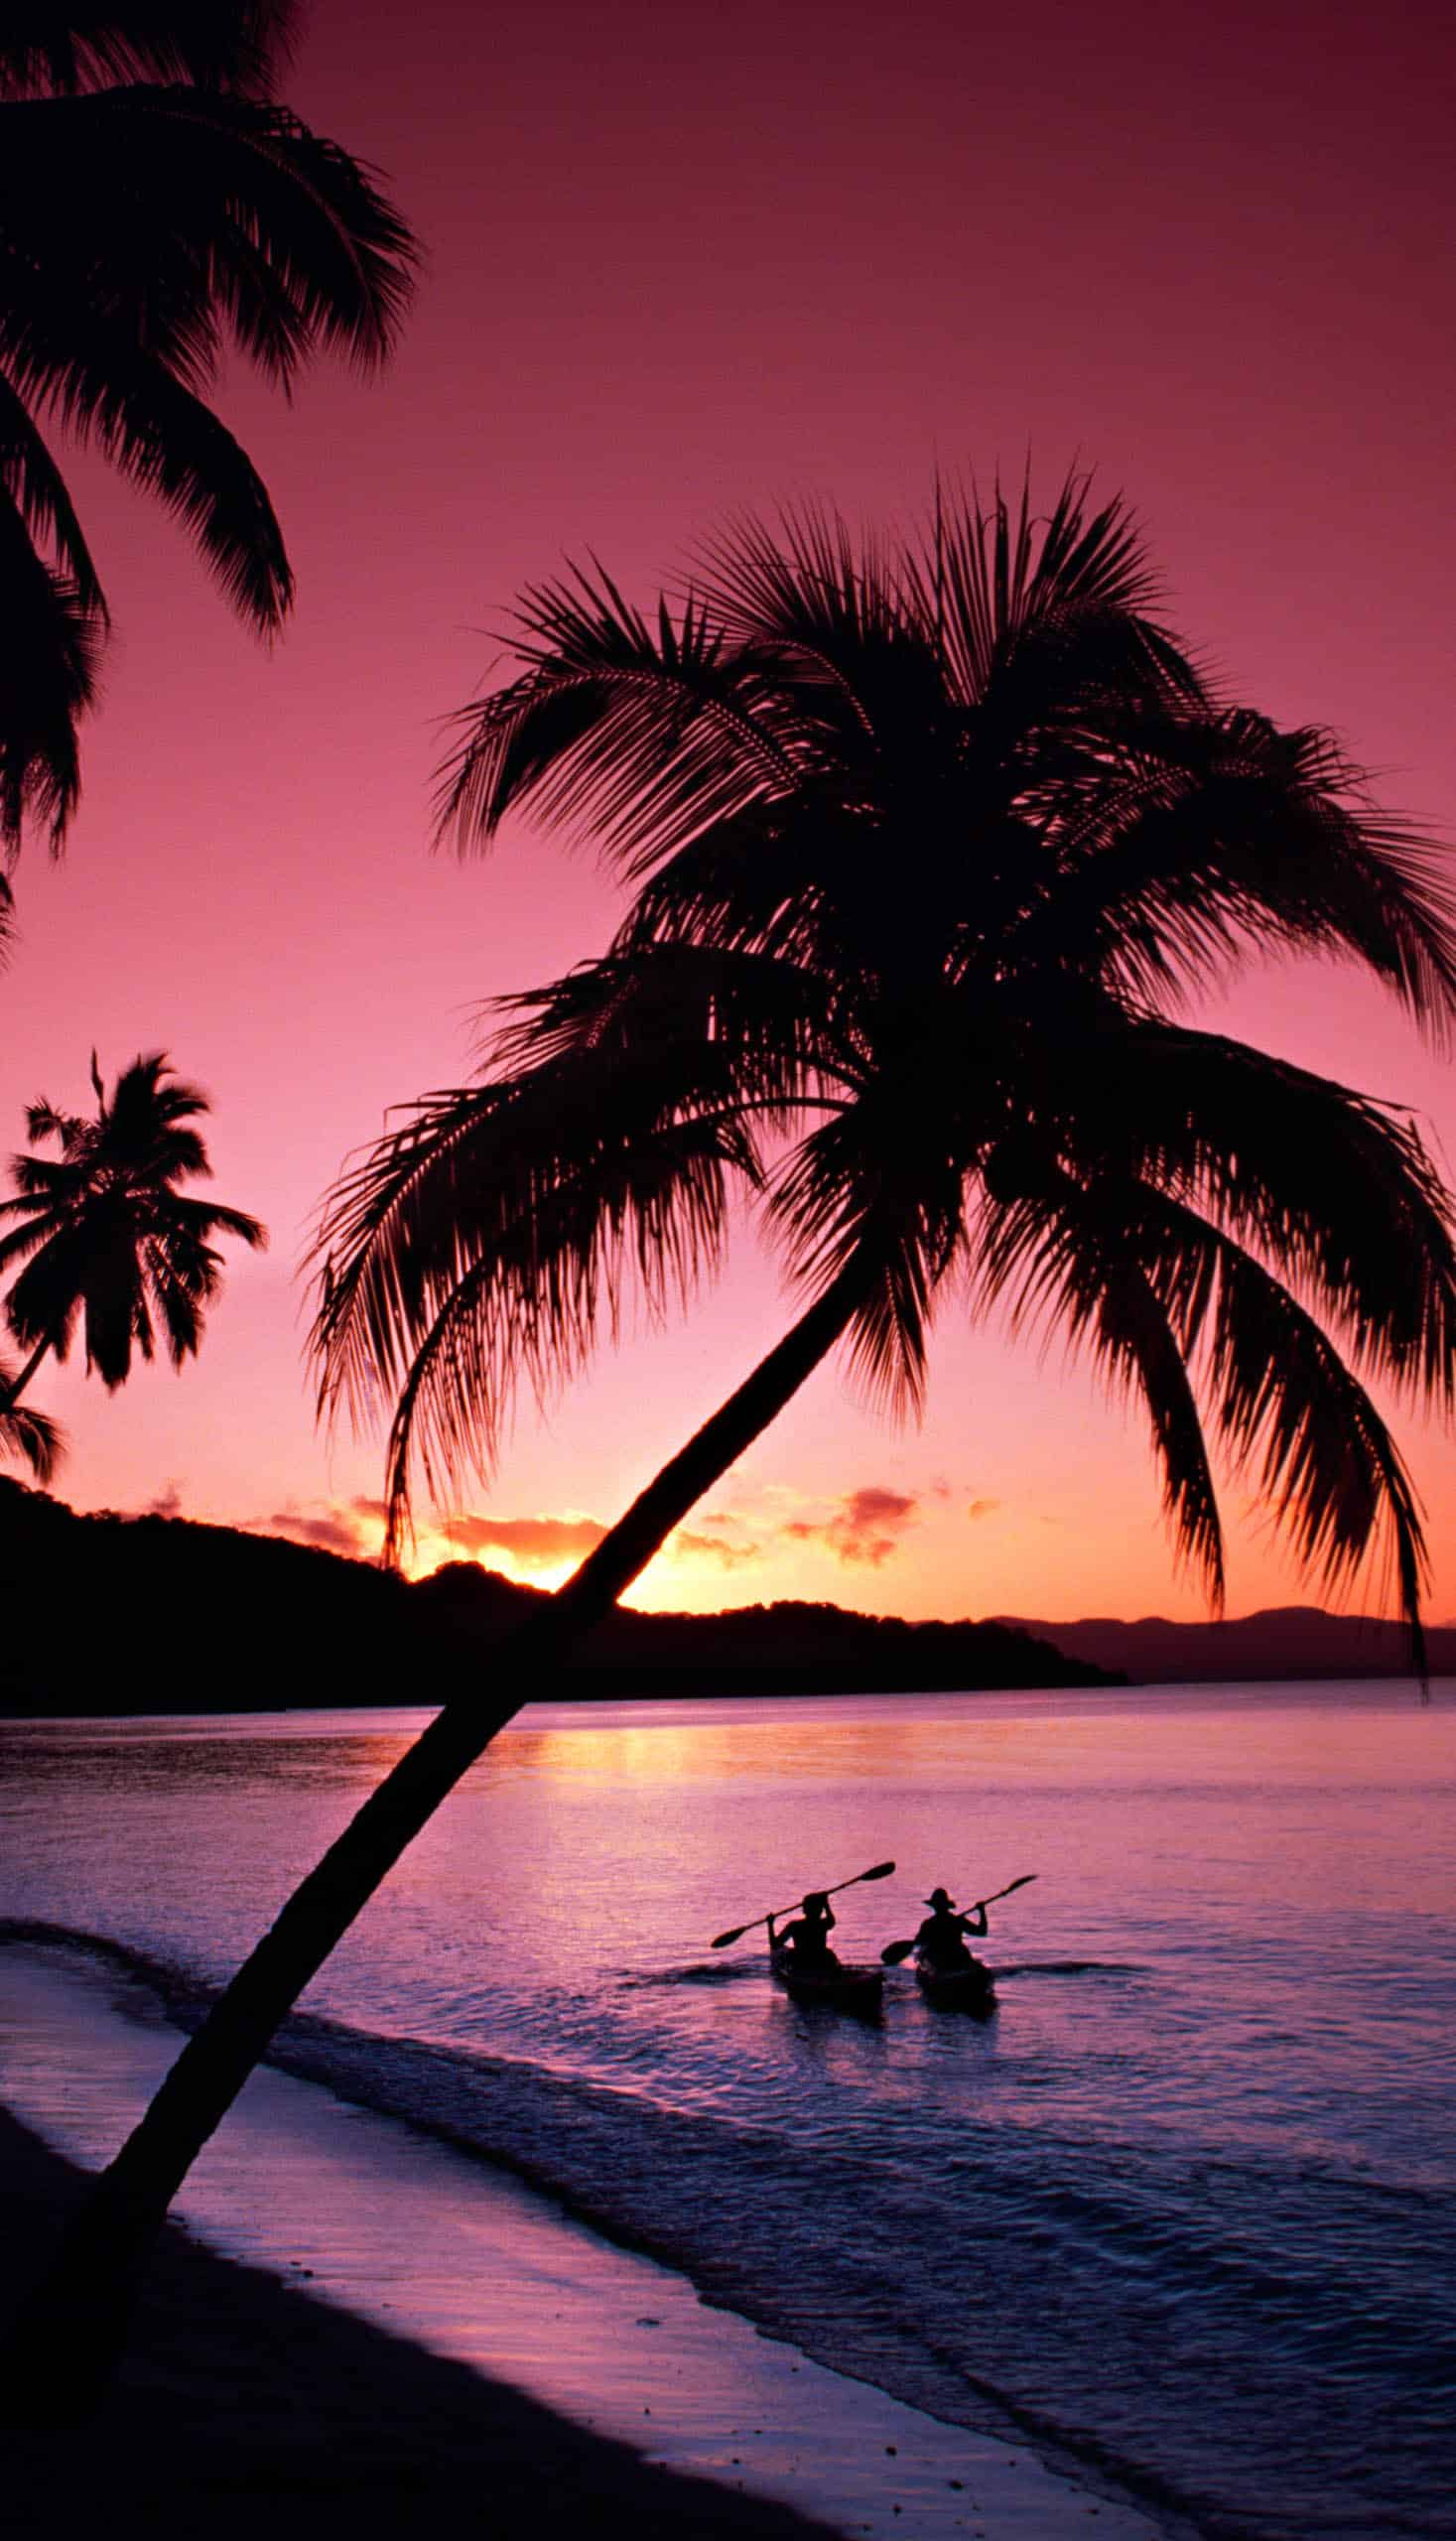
(939, 1897)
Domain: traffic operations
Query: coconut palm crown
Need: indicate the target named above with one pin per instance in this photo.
(932, 840)
(105, 1238)
(158, 204)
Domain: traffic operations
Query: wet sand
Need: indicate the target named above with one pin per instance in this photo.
(243, 2402)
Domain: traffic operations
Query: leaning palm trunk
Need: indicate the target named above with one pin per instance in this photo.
(55, 2361)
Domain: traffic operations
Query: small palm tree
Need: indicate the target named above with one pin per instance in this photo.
(106, 1238)
(931, 841)
(157, 201)
(31, 1435)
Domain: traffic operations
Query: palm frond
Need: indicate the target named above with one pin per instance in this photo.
(44, 1301)
(648, 731)
(50, 685)
(197, 1220)
(33, 1437)
(179, 1281)
(1289, 1410)
(504, 1228)
(1335, 1188)
(763, 1032)
(115, 1308)
(1204, 836)
(147, 1119)
(1282, 1404)
(107, 387)
(1059, 1261)
(30, 477)
(170, 444)
(223, 215)
(63, 47)
(1005, 595)
(143, 227)
(849, 1191)
(43, 1121)
(822, 608)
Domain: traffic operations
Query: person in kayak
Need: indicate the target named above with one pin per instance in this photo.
(806, 1939)
(940, 1943)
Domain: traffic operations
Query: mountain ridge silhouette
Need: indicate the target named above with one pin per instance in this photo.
(119, 1615)
(116, 1614)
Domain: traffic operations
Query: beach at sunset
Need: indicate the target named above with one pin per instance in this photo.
(242, 2398)
(728, 1271)
(242, 2392)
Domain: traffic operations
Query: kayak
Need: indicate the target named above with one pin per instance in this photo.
(959, 1989)
(843, 1989)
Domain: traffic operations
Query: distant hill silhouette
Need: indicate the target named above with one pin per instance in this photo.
(1281, 1642)
(111, 1614)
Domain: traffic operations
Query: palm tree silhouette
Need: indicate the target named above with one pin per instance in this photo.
(930, 840)
(31, 1435)
(932, 844)
(156, 202)
(106, 1238)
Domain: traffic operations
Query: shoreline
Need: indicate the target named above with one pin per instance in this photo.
(450, 2308)
(240, 2391)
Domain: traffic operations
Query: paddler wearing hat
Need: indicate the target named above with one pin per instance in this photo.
(940, 1943)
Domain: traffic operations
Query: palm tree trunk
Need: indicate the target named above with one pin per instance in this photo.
(54, 2363)
(27, 1372)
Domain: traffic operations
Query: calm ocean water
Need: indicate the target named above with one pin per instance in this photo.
(1182, 2212)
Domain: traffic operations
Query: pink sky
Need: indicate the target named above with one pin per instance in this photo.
(681, 262)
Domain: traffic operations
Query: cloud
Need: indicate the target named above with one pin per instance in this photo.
(729, 1556)
(334, 1531)
(537, 1543)
(982, 1508)
(865, 1527)
(329, 1525)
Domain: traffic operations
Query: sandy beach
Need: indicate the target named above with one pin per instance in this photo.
(241, 2396)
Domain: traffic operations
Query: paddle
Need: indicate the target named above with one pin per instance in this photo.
(895, 1951)
(882, 1870)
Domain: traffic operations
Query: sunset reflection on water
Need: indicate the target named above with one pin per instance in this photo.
(1213, 2111)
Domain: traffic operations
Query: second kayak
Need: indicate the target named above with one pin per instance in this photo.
(959, 1989)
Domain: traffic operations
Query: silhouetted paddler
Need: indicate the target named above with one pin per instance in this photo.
(807, 1939)
(940, 1943)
